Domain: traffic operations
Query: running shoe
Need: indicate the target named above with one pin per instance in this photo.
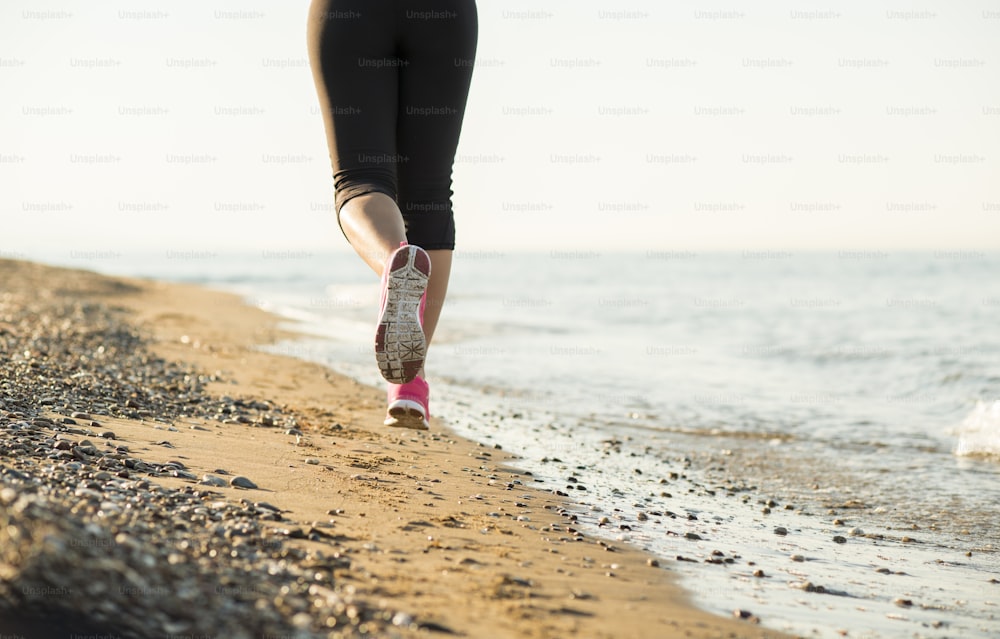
(400, 344)
(409, 405)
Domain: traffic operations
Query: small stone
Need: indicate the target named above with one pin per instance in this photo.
(402, 619)
(739, 613)
(781, 530)
(855, 532)
(312, 460)
(797, 557)
(79, 415)
(242, 482)
(655, 563)
(759, 573)
(839, 539)
(642, 516)
(903, 603)
(212, 480)
(692, 536)
(108, 435)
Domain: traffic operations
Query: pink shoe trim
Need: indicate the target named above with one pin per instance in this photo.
(409, 405)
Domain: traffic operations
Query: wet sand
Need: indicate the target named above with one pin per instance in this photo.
(432, 534)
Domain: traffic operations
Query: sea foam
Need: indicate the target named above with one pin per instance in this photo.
(979, 432)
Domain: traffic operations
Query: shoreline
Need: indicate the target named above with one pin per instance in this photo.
(439, 531)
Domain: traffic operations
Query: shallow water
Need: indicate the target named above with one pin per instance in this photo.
(854, 391)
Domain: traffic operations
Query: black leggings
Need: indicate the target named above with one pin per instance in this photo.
(393, 78)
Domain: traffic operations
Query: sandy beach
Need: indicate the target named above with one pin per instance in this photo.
(117, 512)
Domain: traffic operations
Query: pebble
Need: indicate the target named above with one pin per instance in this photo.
(212, 480)
(312, 460)
(840, 539)
(240, 481)
(781, 530)
(797, 557)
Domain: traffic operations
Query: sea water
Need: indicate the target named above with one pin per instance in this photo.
(828, 421)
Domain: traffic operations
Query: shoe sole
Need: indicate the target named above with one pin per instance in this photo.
(400, 344)
(404, 417)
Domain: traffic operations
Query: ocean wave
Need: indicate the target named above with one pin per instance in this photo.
(979, 433)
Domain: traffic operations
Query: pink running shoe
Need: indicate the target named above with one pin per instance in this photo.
(409, 405)
(400, 344)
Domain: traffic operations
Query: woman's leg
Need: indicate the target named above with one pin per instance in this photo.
(438, 41)
(355, 65)
(374, 226)
(437, 289)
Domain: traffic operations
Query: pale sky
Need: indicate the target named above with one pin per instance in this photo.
(608, 126)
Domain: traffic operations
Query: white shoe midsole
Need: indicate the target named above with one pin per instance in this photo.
(407, 405)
